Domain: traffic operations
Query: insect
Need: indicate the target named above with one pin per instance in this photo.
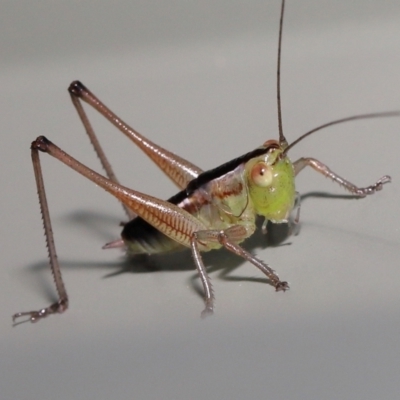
(213, 209)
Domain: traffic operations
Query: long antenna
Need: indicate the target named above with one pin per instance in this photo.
(339, 121)
(282, 139)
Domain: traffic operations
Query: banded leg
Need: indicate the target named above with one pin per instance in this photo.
(98, 149)
(228, 238)
(324, 170)
(168, 218)
(62, 304)
(179, 170)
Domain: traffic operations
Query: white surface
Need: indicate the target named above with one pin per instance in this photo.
(200, 79)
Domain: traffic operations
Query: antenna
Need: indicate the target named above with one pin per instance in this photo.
(282, 139)
(339, 121)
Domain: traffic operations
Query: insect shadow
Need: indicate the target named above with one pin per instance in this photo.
(98, 225)
(223, 261)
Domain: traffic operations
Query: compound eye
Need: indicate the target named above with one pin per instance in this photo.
(261, 174)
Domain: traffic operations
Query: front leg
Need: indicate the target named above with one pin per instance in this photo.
(324, 170)
(228, 238)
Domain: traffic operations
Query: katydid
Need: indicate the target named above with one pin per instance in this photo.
(213, 209)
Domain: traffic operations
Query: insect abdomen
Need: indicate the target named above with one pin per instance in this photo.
(142, 238)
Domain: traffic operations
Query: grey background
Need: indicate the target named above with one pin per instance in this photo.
(199, 78)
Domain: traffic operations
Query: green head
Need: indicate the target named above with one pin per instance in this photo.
(270, 180)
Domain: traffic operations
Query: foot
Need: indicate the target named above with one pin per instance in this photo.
(35, 316)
